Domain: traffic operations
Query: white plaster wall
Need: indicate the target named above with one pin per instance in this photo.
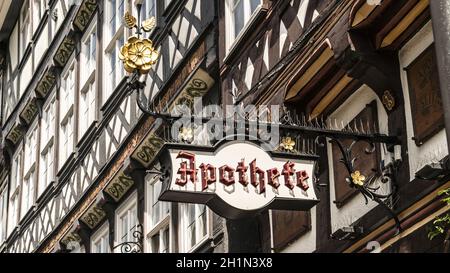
(356, 207)
(435, 147)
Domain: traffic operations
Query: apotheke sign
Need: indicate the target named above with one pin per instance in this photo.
(238, 178)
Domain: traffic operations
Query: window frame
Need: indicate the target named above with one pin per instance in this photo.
(182, 228)
(113, 40)
(87, 112)
(14, 193)
(67, 112)
(164, 223)
(86, 75)
(47, 145)
(30, 172)
(232, 38)
(24, 41)
(3, 211)
(124, 208)
(100, 234)
(40, 12)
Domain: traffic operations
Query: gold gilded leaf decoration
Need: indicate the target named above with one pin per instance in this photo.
(149, 24)
(130, 20)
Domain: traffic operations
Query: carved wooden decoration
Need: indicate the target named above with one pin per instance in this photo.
(197, 86)
(424, 91)
(71, 238)
(119, 186)
(64, 51)
(388, 100)
(93, 216)
(148, 149)
(15, 134)
(30, 111)
(46, 84)
(84, 14)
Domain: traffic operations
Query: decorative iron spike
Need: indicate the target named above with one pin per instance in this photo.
(363, 130)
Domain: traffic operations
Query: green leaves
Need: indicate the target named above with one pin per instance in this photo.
(442, 223)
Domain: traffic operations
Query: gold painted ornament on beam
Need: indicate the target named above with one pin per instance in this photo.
(287, 144)
(138, 54)
(131, 22)
(149, 24)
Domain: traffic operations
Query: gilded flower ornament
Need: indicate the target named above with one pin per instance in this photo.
(358, 178)
(288, 144)
(186, 134)
(138, 54)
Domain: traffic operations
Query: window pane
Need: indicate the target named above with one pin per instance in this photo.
(254, 4)
(202, 218)
(155, 243)
(3, 215)
(165, 241)
(239, 18)
(124, 227)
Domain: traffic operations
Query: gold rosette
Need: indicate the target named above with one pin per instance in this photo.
(138, 54)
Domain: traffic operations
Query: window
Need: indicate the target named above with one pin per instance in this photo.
(100, 240)
(158, 218)
(3, 204)
(194, 227)
(88, 53)
(46, 170)
(239, 13)
(25, 27)
(27, 193)
(87, 107)
(38, 12)
(66, 139)
(148, 9)
(67, 94)
(29, 176)
(88, 93)
(114, 40)
(115, 71)
(126, 221)
(68, 89)
(115, 12)
(14, 191)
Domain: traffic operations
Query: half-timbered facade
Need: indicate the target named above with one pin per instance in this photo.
(78, 153)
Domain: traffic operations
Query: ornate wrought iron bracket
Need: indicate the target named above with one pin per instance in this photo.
(139, 55)
(132, 246)
(365, 185)
(320, 131)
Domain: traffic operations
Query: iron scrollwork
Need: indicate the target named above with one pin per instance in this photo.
(132, 246)
(358, 181)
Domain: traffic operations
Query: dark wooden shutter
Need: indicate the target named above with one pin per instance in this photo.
(424, 92)
(365, 163)
(288, 226)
